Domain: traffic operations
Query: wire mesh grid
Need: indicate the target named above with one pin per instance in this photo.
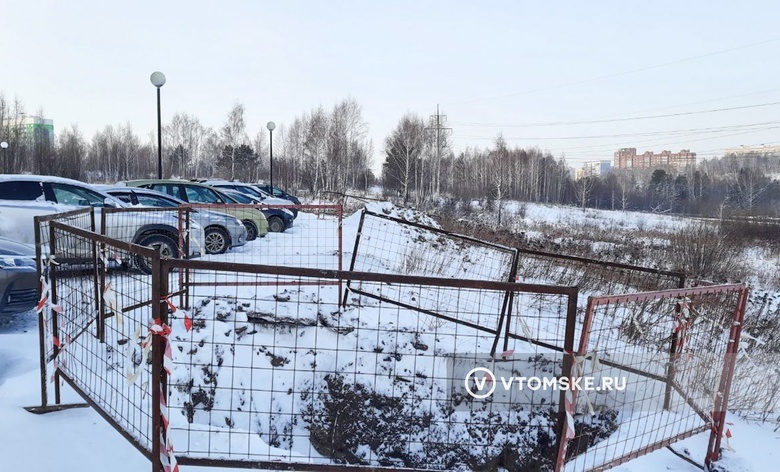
(389, 245)
(173, 232)
(593, 276)
(311, 239)
(667, 351)
(84, 219)
(99, 325)
(277, 371)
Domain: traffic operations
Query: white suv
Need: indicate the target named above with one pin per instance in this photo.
(23, 197)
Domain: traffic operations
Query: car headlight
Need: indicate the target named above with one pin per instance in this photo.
(11, 262)
(289, 213)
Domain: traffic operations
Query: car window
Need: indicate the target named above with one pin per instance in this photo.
(240, 197)
(21, 190)
(201, 195)
(123, 196)
(170, 189)
(67, 194)
(252, 191)
(160, 202)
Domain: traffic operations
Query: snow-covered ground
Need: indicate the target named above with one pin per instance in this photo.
(81, 440)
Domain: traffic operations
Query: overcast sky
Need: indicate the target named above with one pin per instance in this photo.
(493, 66)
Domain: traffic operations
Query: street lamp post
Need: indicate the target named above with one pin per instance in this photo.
(271, 125)
(4, 145)
(158, 80)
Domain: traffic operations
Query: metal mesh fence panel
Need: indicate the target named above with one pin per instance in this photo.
(173, 232)
(274, 373)
(312, 239)
(591, 275)
(670, 350)
(389, 245)
(84, 219)
(100, 316)
(270, 368)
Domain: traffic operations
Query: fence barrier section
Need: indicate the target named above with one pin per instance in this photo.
(674, 350)
(238, 363)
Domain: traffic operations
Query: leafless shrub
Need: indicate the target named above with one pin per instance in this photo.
(702, 251)
(522, 210)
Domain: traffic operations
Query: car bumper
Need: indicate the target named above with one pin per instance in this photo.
(197, 242)
(238, 236)
(19, 290)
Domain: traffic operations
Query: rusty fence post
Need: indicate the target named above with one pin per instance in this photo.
(340, 216)
(566, 371)
(159, 311)
(506, 308)
(729, 364)
(354, 255)
(41, 316)
(54, 320)
(98, 307)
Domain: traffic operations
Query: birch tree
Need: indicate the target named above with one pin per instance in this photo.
(233, 134)
(403, 148)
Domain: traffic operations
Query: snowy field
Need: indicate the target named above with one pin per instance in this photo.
(81, 440)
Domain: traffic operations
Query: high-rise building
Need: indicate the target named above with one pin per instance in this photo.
(593, 168)
(33, 127)
(627, 158)
(762, 150)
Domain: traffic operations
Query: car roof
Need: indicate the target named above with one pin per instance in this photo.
(10, 247)
(132, 183)
(224, 182)
(41, 178)
(53, 179)
(143, 191)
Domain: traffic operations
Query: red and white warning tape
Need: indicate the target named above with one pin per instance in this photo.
(43, 307)
(167, 457)
(577, 369)
(683, 320)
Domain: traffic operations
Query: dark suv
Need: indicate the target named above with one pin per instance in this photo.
(278, 193)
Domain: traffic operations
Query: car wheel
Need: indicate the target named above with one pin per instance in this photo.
(251, 230)
(275, 224)
(165, 245)
(216, 241)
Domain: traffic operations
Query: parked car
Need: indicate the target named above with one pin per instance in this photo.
(278, 193)
(253, 191)
(222, 231)
(18, 277)
(279, 219)
(22, 197)
(192, 192)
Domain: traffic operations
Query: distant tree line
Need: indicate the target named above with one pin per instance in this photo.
(324, 150)
(330, 151)
(414, 174)
(727, 186)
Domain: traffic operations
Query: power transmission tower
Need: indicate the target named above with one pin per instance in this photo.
(439, 131)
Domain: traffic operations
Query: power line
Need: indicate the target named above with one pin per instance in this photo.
(668, 144)
(618, 74)
(698, 102)
(613, 120)
(625, 135)
(597, 148)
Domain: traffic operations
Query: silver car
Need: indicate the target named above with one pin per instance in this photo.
(18, 277)
(22, 197)
(222, 231)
